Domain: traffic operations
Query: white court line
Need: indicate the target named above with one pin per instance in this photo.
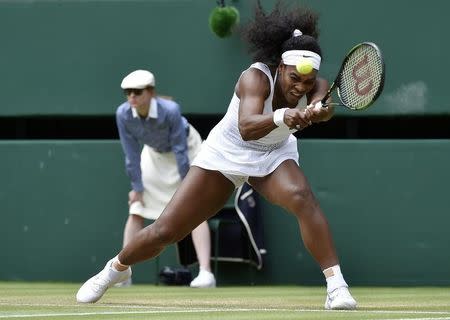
(82, 314)
(206, 310)
(446, 318)
(200, 309)
(403, 312)
(112, 306)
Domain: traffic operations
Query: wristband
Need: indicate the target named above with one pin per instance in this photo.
(318, 106)
(278, 117)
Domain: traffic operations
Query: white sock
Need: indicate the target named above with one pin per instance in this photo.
(334, 278)
(116, 259)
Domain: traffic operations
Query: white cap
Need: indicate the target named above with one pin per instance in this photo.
(138, 79)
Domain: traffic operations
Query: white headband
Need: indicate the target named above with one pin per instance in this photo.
(293, 57)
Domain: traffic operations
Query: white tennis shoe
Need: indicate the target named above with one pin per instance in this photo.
(340, 299)
(124, 284)
(93, 289)
(205, 279)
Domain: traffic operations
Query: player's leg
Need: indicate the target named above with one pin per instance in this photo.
(201, 194)
(201, 237)
(288, 187)
(134, 224)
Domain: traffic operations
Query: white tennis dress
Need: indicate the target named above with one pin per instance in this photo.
(224, 150)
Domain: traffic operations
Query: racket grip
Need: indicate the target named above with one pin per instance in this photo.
(324, 100)
(327, 96)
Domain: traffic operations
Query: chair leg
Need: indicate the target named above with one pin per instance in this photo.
(214, 225)
(250, 267)
(157, 270)
(216, 251)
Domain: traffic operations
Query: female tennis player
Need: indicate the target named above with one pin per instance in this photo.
(254, 143)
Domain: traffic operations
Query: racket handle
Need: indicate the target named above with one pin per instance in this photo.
(324, 100)
(327, 96)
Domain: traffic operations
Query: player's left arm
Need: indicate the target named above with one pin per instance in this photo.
(315, 111)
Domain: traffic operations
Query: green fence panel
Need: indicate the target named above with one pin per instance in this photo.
(387, 206)
(69, 57)
(64, 208)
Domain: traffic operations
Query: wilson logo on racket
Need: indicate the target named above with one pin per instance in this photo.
(361, 73)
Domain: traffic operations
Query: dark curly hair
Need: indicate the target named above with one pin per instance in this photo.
(269, 35)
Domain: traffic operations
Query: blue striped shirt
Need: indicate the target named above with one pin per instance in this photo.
(164, 130)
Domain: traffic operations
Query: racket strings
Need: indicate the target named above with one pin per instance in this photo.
(361, 78)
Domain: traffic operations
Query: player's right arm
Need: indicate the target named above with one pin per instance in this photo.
(319, 114)
(252, 89)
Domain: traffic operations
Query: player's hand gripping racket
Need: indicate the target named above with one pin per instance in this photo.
(361, 78)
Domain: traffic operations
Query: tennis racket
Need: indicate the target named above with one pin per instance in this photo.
(361, 78)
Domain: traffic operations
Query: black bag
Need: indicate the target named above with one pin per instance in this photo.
(236, 238)
(175, 277)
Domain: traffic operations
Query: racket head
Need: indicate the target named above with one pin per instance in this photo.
(360, 80)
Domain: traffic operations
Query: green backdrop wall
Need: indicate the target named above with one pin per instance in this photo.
(64, 202)
(63, 208)
(68, 57)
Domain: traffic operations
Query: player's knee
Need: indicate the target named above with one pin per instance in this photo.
(165, 235)
(302, 200)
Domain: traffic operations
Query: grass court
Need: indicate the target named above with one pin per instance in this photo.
(20, 300)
